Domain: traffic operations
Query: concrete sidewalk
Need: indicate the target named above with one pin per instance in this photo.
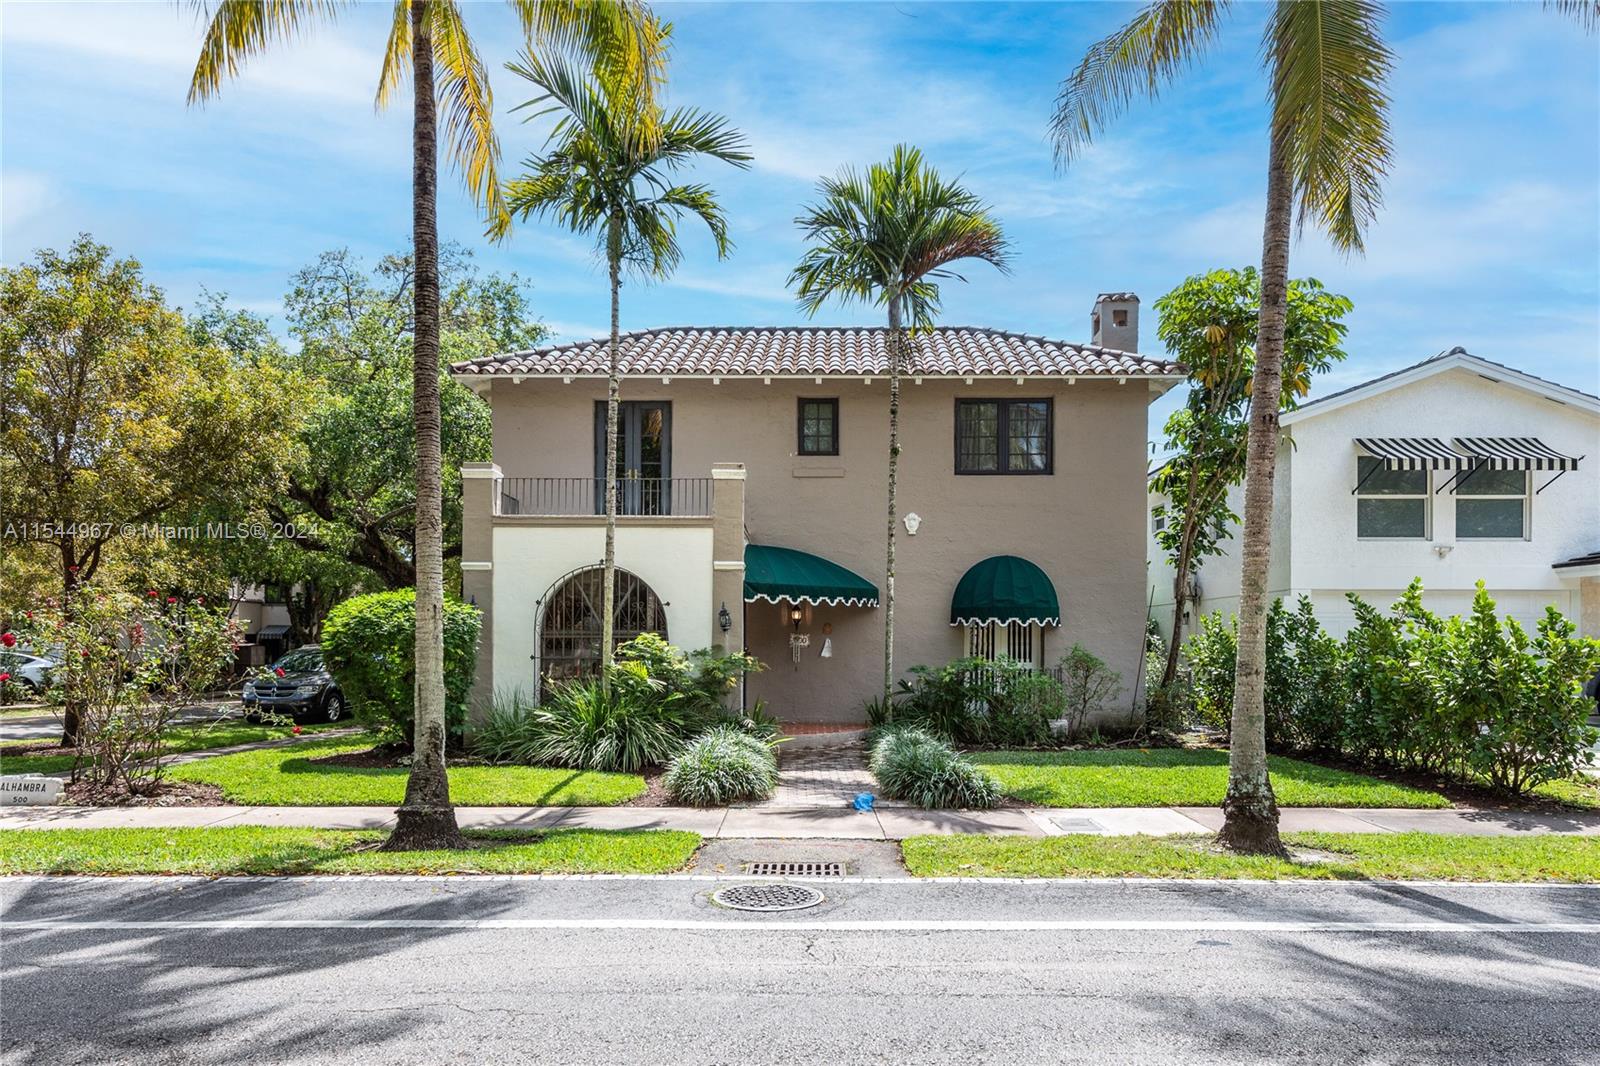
(835, 823)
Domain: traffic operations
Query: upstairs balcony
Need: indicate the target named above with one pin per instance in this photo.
(559, 497)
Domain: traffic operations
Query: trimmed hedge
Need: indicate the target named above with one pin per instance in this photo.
(368, 643)
(1475, 697)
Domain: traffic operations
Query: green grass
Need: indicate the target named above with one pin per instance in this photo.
(1180, 777)
(179, 739)
(1345, 856)
(257, 850)
(1580, 792)
(285, 777)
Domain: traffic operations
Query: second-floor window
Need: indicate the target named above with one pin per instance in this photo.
(819, 427)
(1390, 504)
(1003, 437)
(1492, 505)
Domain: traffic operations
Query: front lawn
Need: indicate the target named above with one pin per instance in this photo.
(1180, 777)
(287, 777)
(256, 850)
(178, 740)
(1339, 856)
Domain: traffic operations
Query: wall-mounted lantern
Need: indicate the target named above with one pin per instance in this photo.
(796, 613)
(724, 619)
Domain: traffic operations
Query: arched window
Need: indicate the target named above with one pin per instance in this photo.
(569, 630)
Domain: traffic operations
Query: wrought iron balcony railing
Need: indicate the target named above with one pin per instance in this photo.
(558, 496)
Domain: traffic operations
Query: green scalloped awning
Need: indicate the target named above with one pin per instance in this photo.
(775, 574)
(1005, 588)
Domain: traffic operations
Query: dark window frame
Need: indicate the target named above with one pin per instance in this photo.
(800, 424)
(1003, 436)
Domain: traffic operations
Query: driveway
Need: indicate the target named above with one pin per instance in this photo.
(47, 726)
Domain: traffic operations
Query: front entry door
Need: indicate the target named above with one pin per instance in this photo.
(644, 457)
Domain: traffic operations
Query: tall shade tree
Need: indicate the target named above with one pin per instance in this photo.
(609, 172)
(888, 237)
(1209, 323)
(428, 41)
(1327, 155)
(114, 417)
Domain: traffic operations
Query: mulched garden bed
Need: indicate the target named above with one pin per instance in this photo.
(36, 747)
(655, 791)
(165, 793)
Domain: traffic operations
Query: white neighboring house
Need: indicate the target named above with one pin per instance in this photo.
(1453, 470)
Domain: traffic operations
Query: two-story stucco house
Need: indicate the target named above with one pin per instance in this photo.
(753, 473)
(1454, 470)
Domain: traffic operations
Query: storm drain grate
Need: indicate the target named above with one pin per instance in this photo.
(794, 869)
(767, 897)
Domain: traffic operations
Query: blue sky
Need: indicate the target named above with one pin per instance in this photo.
(1490, 237)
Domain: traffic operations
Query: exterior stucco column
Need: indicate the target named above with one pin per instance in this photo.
(727, 552)
(478, 484)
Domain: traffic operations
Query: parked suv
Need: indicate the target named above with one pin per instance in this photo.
(297, 686)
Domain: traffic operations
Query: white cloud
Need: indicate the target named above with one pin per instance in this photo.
(160, 42)
(25, 195)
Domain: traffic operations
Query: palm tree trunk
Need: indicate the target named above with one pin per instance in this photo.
(894, 347)
(1250, 810)
(426, 820)
(608, 598)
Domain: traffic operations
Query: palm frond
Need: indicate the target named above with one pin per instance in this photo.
(1587, 12)
(1137, 60)
(621, 41)
(599, 166)
(396, 56)
(1329, 66)
(466, 108)
(890, 234)
(239, 29)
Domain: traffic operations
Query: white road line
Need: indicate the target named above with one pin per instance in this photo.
(886, 925)
(467, 880)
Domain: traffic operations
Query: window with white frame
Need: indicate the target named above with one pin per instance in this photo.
(1390, 504)
(1492, 505)
(1019, 641)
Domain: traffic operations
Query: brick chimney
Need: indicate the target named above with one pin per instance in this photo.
(1115, 321)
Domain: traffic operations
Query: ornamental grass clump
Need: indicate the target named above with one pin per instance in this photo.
(912, 764)
(721, 766)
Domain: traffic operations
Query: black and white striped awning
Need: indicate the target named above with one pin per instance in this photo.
(1516, 453)
(1412, 453)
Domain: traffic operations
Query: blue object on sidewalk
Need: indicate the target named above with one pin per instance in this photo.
(863, 801)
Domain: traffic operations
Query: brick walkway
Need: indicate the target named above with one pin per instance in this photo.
(829, 776)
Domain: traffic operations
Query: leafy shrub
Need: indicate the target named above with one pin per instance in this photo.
(1086, 684)
(757, 721)
(704, 679)
(918, 767)
(980, 701)
(1474, 698)
(721, 766)
(368, 644)
(635, 724)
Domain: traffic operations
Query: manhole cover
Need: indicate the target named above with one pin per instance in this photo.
(767, 897)
(794, 869)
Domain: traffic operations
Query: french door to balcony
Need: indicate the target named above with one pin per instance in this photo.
(644, 457)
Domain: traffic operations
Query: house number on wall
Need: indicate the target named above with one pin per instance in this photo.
(796, 642)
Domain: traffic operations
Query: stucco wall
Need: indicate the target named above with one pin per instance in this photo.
(1322, 557)
(674, 560)
(1083, 524)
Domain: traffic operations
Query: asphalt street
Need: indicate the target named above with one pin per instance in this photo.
(648, 970)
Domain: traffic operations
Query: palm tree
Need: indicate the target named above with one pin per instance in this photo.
(608, 172)
(888, 237)
(1328, 152)
(429, 38)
